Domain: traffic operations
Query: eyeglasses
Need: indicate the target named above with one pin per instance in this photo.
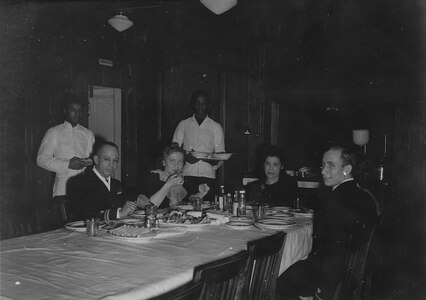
(328, 166)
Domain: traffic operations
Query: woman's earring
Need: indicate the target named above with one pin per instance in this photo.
(344, 173)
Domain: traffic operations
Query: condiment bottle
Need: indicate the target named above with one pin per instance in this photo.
(222, 197)
(235, 204)
(242, 203)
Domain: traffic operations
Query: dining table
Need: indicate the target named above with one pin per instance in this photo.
(66, 264)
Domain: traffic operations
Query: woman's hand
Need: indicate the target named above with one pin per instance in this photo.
(142, 201)
(174, 179)
(203, 189)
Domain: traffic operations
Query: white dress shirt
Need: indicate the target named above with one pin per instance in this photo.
(207, 137)
(59, 145)
(106, 181)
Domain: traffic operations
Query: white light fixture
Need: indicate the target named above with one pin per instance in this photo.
(219, 6)
(361, 138)
(120, 22)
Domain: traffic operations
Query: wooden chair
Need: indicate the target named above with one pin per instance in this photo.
(189, 291)
(221, 278)
(352, 285)
(263, 266)
(217, 280)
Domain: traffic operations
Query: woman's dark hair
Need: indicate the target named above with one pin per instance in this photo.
(263, 152)
(173, 147)
(273, 151)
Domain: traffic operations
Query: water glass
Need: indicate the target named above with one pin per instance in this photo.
(258, 212)
(92, 227)
(197, 203)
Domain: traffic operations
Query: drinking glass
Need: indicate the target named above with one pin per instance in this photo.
(197, 203)
(92, 227)
(258, 212)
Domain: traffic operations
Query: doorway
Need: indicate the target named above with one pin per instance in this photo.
(105, 116)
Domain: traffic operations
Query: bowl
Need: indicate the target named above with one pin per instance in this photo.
(221, 156)
(198, 154)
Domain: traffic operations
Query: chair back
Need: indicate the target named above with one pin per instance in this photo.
(353, 282)
(221, 278)
(263, 266)
(189, 291)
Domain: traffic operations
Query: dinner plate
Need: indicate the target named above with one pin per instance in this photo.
(281, 208)
(282, 215)
(240, 219)
(79, 226)
(240, 224)
(130, 221)
(275, 222)
(304, 213)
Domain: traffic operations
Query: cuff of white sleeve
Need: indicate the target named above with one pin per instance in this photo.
(118, 212)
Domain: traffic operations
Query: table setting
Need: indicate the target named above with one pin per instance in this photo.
(126, 259)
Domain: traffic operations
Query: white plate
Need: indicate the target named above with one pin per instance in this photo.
(275, 222)
(240, 219)
(76, 226)
(130, 221)
(297, 212)
(281, 215)
(240, 224)
(281, 208)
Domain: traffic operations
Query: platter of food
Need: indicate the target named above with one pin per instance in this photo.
(186, 219)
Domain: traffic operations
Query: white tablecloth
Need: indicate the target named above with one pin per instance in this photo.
(69, 265)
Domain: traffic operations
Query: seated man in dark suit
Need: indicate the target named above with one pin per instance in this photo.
(95, 193)
(343, 222)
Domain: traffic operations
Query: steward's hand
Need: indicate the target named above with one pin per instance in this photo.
(76, 163)
(190, 158)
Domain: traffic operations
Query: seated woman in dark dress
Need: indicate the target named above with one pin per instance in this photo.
(276, 188)
(164, 187)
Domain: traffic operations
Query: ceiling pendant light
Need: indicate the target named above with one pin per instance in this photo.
(219, 6)
(120, 22)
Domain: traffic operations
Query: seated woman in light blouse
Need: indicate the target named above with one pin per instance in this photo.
(275, 188)
(164, 187)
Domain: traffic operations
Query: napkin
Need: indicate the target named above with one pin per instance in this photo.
(176, 194)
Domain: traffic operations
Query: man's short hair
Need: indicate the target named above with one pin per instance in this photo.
(103, 144)
(348, 156)
(195, 95)
(69, 98)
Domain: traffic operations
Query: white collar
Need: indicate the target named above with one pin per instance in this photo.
(68, 124)
(195, 119)
(106, 181)
(349, 179)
